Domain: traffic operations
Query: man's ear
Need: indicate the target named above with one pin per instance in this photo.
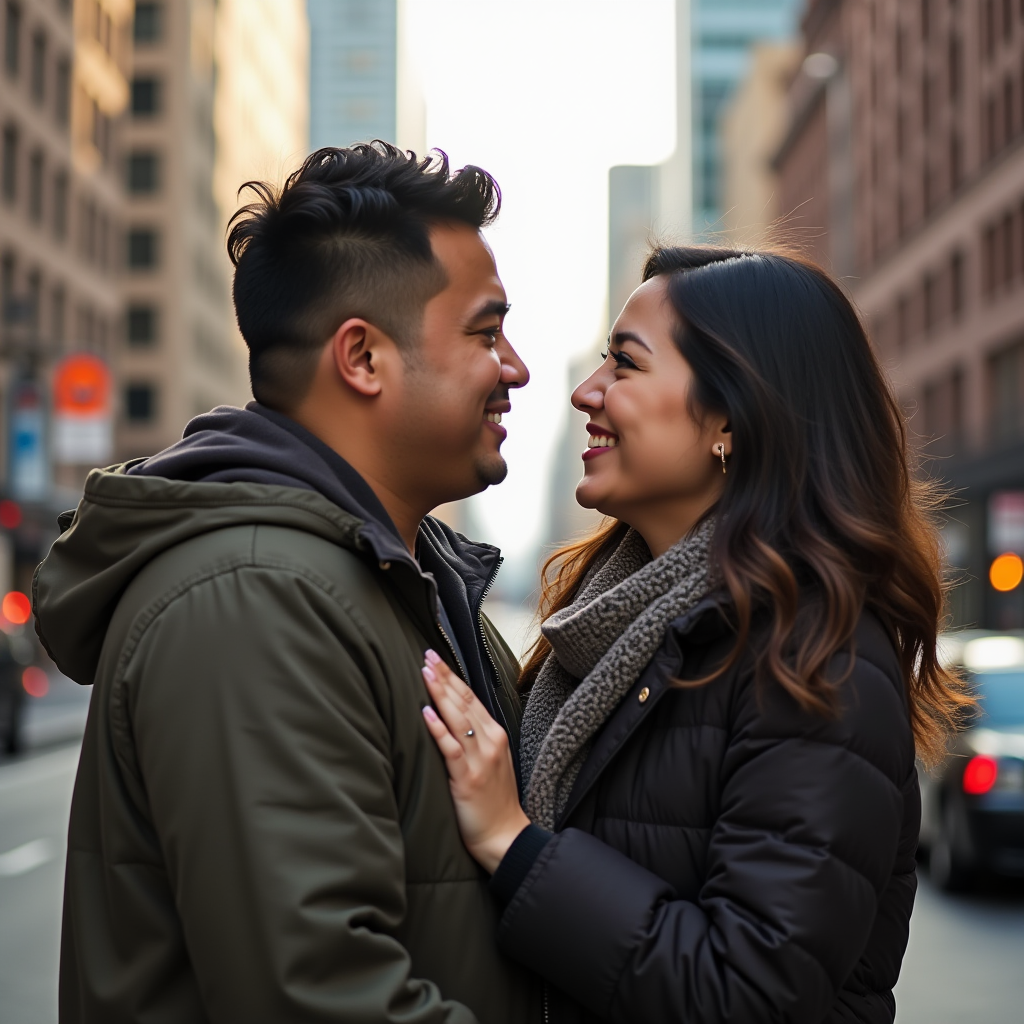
(356, 351)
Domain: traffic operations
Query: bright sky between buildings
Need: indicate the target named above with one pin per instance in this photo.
(547, 95)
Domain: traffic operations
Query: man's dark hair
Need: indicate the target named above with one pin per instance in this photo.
(347, 236)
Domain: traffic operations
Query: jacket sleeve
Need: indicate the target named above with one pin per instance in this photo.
(801, 849)
(259, 718)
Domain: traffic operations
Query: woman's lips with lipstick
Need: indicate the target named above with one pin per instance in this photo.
(601, 441)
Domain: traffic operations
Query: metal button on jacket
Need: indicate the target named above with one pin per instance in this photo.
(644, 694)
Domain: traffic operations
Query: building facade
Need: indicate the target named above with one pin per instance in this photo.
(180, 354)
(752, 126)
(63, 89)
(723, 33)
(363, 83)
(906, 147)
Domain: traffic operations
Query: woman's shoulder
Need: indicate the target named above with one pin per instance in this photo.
(870, 718)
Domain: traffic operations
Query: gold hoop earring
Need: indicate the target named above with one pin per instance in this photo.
(721, 452)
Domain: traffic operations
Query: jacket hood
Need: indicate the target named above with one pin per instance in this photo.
(232, 467)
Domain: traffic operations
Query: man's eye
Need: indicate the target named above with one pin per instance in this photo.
(492, 334)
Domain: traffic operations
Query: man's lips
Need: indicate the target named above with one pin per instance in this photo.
(492, 417)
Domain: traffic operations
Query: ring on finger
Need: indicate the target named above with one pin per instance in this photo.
(471, 733)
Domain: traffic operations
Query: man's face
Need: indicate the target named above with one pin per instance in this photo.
(458, 376)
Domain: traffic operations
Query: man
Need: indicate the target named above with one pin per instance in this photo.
(261, 828)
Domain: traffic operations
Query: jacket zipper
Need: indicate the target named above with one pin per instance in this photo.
(455, 653)
(547, 1011)
(487, 646)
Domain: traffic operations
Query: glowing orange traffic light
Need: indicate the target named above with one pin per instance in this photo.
(16, 608)
(1006, 572)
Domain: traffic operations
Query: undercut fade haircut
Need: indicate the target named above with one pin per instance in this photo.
(347, 236)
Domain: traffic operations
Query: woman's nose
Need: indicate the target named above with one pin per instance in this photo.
(589, 395)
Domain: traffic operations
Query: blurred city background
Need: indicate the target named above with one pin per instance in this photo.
(885, 138)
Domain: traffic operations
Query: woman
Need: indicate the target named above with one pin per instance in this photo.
(721, 802)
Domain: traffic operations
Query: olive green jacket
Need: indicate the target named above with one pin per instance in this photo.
(261, 827)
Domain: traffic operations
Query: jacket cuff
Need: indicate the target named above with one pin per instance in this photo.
(516, 863)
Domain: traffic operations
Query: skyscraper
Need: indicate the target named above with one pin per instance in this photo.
(723, 33)
(361, 84)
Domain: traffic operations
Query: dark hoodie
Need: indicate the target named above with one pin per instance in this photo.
(259, 445)
(262, 828)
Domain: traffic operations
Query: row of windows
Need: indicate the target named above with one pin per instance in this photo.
(1003, 116)
(45, 77)
(998, 18)
(45, 193)
(1002, 252)
(40, 310)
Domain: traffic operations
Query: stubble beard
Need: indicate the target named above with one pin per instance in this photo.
(491, 470)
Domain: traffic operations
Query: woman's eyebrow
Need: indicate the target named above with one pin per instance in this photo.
(622, 336)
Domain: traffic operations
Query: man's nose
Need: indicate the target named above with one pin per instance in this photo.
(514, 373)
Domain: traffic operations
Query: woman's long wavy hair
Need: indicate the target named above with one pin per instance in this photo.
(821, 515)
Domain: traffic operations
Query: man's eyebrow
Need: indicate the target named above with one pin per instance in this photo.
(493, 307)
(621, 336)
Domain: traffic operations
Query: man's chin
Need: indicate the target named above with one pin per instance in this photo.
(491, 470)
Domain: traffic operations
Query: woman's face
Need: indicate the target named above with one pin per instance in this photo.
(650, 463)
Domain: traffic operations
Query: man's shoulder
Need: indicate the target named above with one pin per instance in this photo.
(260, 549)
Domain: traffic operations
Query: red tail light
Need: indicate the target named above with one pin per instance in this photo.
(980, 775)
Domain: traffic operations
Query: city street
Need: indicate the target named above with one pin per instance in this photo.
(963, 965)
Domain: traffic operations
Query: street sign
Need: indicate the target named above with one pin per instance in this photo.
(82, 415)
(29, 468)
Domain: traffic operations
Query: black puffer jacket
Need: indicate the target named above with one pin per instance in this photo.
(726, 856)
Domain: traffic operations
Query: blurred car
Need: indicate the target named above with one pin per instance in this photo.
(972, 805)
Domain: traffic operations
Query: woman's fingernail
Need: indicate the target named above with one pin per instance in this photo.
(428, 674)
(429, 713)
(433, 657)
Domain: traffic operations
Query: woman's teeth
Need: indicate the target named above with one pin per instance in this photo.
(493, 417)
(601, 441)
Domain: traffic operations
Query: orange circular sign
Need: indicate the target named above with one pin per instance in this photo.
(81, 386)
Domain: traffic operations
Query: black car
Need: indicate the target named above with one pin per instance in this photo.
(972, 816)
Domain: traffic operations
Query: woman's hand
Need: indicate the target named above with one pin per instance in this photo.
(481, 776)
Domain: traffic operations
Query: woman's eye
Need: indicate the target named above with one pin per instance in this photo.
(622, 361)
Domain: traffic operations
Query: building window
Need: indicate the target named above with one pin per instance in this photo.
(58, 303)
(145, 97)
(148, 26)
(39, 67)
(142, 249)
(142, 325)
(1009, 128)
(954, 72)
(1006, 375)
(956, 162)
(9, 160)
(62, 109)
(12, 37)
(903, 322)
(988, 26)
(143, 172)
(60, 205)
(35, 186)
(930, 302)
(140, 403)
(956, 284)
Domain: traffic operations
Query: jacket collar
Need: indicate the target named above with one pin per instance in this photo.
(706, 622)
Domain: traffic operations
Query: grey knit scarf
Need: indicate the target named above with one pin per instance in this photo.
(599, 646)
